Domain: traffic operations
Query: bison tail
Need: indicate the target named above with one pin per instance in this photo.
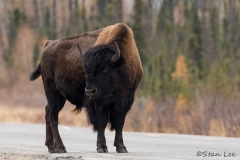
(36, 73)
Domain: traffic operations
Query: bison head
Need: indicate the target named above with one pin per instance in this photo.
(101, 64)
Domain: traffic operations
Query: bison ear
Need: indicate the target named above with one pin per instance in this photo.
(121, 61)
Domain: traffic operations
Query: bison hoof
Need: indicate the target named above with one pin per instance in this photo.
(58, 151)
(122, 150)
(53, 151)
(61, 151)
(102, 150)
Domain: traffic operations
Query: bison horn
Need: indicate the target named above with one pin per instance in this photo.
(80, 49)
(116, 56)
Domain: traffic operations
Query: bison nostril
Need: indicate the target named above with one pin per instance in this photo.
(91, 90)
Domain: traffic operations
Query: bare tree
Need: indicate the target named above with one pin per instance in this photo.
(76, 4)
(6, 18)
(70, 10)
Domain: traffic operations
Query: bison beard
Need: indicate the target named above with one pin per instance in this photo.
(103, 80)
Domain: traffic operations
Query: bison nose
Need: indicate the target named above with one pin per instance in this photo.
(91, 92)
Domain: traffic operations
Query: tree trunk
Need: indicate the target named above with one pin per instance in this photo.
(54, 7)
(36, 12)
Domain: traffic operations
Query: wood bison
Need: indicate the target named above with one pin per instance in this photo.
(103, 80)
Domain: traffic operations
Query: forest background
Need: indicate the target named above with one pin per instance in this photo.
(189, 49)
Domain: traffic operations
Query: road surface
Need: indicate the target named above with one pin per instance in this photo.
(26, 142)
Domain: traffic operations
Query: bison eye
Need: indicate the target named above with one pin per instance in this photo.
(104, 69)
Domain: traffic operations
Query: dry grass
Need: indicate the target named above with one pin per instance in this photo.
(219, 119)
(147, 116)
(37, 115)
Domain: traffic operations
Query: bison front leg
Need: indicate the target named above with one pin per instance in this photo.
(117, 123)
(99, 121)
(101, 140)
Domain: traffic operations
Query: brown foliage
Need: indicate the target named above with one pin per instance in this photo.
(172, 117)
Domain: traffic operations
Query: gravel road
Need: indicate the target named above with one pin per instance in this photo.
(26, 142)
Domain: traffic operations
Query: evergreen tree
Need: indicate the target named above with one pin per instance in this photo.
(164, 17)
(215, 41)
(166, 32)
(195, 41)
(16, 19)
(161, 66)
(101, 10)
(47, 24)
(114, 12)
(84, 18)
(138, 30)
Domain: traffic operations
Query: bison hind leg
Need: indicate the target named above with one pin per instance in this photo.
(55, 104)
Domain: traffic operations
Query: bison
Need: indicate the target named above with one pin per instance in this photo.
(102, 79)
